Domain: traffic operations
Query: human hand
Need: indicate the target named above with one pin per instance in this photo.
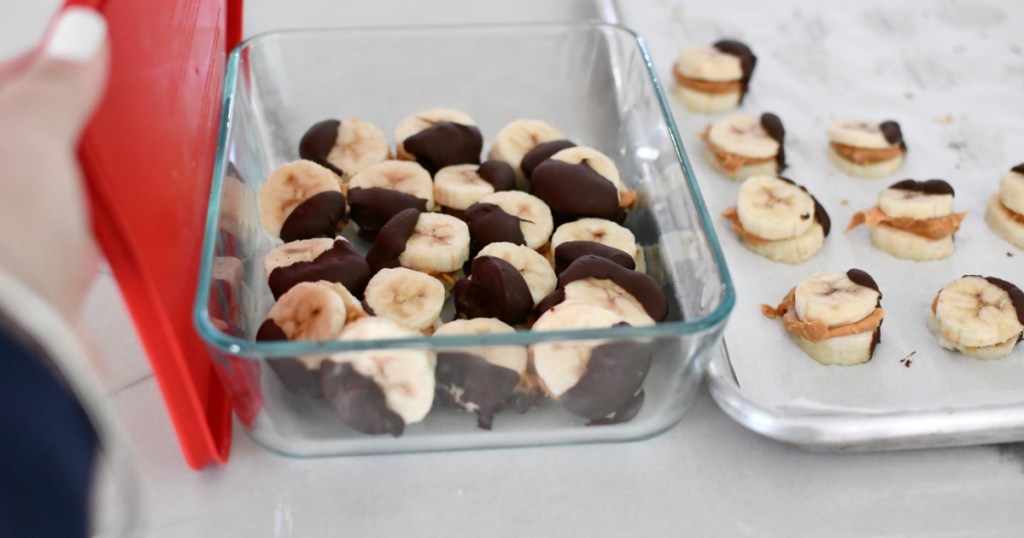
(46, 98)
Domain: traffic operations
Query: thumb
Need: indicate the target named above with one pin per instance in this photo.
(59, 92)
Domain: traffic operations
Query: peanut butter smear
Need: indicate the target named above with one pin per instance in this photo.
(1014, 216)
(817, 330)
(708, 86)
(934, 228)
(858, 155)
(737, 227)
(731, 162)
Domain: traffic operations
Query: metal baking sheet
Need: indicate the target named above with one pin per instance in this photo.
(952, 73)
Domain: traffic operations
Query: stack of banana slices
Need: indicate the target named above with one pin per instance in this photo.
(779, 219)
(865, 149)
(1005, 213)
(981, 317)
(714, 79)
(434, 222)
(742, 146)
(914, 220)
(834, 317)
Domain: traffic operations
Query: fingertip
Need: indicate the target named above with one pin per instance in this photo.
(79, 35)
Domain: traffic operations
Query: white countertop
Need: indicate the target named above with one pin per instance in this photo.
(706, 476)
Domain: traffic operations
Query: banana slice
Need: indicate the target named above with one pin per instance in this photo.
(741, 146)
(595, 379)
(1011, 190)
(534, 268)
(439, 244)
(774, 209)
(1005, 223)
(599, 231)
(635, 297)
(865, 149)
(459, 186)
(517, 139)
(401, 176)
(857, 132)
(382, 390)
(482, 380)
(301, 200)
(312, 260)
(439, 137)
(597, 161)
(607, 294)
(710, 64)
(917, 199)
(982, 317)
(534, 216)
(345, 148)
(408, 297)
(834, 317)
(910, 246)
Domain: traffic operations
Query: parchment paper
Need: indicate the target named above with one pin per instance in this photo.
(952, 74)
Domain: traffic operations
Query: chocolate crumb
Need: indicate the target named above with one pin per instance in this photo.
(1009, 254)
(908, 363)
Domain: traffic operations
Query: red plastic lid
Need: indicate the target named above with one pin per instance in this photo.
(148, 159)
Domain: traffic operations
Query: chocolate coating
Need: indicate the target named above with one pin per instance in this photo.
(747, 60)
(373, 207)
(862, 278)
(390, 242)
(893, 134)
(626, 413)
(340, 263)
(489, 386)
(294, 375)
(773, 125)
(570, 251)
(640, 285)
(489, 223)
(932, 186)
(317, 143)
(1019, 168)
(499, 174)
(496, 289)
(613, 376)
(444, 144)
(575, 191)
(541, 153)
(320, 215)
(359, 401)
(1015, 293)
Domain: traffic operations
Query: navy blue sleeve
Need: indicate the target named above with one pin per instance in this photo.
(47, 446)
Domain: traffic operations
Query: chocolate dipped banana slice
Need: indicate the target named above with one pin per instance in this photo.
(379, 391)
(511, 217)
(439, 137)
(1005, 212)
(484, 380)
(633, 296)
(301, 200)
(597, 237)
(741, 146)
(714, 79)
(432, 243)
(311, 260)
(515, 140)
(779, 219)
(506, 282)
(382, 190)
(596, 379)
(581, 182)
(344, 147)
(459, 186)
(981, 317)
(866, 149)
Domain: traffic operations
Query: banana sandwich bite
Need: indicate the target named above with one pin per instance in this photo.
(633, 296)
(1005, 213)
(410, 298)
(510, 217)
(981, 317)
(835, 317)
(484, 380)
(506, 281)
(518, 139)
(381, 190)
(741, 146)
(312, 260)
(301, 200)
(714, 79)
(865, 149)
(459, 186)
(779, 219)
(580, 182)
(913, 220)
(344, 147)
(597, 237)
(432, 243)
(599, 380)
(439, 137)
(379, 391)
(308, 311)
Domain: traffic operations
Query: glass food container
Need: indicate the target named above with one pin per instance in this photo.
(594, 81)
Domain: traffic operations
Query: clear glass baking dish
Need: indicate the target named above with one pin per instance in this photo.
(594, 81)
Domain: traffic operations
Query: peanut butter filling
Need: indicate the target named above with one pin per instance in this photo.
(731, 162)
(737, 227)
(858, 155)
(1014, 216)
(933, 229)
(715, 87)
(817, 330)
